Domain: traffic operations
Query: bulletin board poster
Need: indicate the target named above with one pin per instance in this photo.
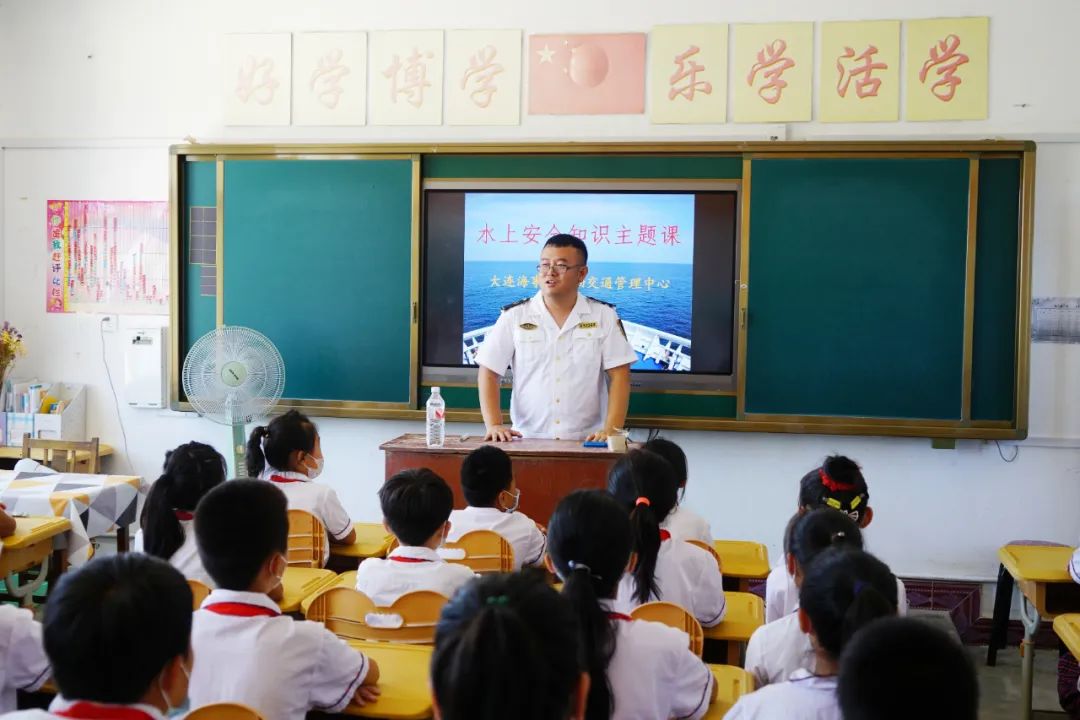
(107, 256)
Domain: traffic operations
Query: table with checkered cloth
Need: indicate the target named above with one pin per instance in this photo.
(95, 504)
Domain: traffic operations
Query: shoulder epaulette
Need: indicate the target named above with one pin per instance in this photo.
(602, 302)
(515, 304)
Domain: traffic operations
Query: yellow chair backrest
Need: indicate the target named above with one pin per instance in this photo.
(485, 552)
(346, 612)
(674, 616)
(307, 537)
(709, 549)
(225, 711)
(199, 592)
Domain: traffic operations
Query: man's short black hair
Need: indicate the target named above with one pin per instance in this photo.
(486, 472)
(565, 240)
(238, 525)
(905, 668)
(112, 626)
(415, 504)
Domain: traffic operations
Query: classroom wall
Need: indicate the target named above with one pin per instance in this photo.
(91, 94)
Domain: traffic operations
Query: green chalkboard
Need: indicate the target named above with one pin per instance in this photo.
(318, 257)
(583, 166)
(197, 265)
(856, 287)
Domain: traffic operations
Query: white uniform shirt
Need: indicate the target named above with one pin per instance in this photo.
(653, 674)
(23, 664)
(408, 569)
(521, 532)
(803, 697)
(1074, 566)
(318, 499)
(59, 704)
(186, 558)
(685, 524)
(685, 575)
(281, 667)
(778, 649)
(782, 597)
(560, 389)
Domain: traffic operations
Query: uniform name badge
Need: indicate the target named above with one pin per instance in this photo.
(528, 326)
(588, 325)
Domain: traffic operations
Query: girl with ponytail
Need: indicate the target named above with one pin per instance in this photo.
(843, 590)
(637, 669)
(779, 648)
(668, 569)
(165, 528)
(508, 646)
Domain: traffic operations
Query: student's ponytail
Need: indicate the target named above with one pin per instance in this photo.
(254, 458)
(839, 484)
(810, 534)
(492, 619)
(644, 483)
(842, 591)
(273, 444)
(190, 472)
(589, 543)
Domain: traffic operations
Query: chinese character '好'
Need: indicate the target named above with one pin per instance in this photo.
(326, 79)
(688, 70)
(256, 81)
(944, 61)
(482, 71)
(865, 86)
(409, 78)
(772, 64)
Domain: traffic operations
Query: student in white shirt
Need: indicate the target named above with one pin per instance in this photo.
(288, 453)
(682, 522)
(247, 651)
(166, 526)
(416, 505)
(901, 668)
(843, 591)
(668, 569)
(487, 480)
(838, 484)
(118, 632)
(496, 617)
(779, 648)
(23, 665)
(638, 670)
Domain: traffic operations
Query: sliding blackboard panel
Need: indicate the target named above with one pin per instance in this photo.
(997, 239)
(582, 166)
(198, 262)
(318, 257)
(856, 287)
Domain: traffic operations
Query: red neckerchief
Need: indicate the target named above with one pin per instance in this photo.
(664, 535)
(238, 609)
(281, 479)
(400, 558)
(92, 711)
(184, 515)
(619, 616)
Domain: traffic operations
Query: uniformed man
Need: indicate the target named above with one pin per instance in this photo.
(560, 345)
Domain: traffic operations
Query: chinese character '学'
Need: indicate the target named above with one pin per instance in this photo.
(256, 81)
(772, 64)
(326, 79)
(409, 78)
(688, 70)
(481, 72)
(851, 67)
(944, 61)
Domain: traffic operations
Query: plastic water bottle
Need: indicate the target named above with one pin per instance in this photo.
(436, 419)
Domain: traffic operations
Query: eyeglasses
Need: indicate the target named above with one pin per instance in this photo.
(556, 269)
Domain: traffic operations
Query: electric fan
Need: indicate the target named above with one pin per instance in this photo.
(233, 375)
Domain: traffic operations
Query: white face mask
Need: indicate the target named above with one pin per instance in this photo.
(516, 494)
(183, 708)
(314, 472)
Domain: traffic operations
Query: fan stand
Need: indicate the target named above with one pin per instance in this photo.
(239, 453)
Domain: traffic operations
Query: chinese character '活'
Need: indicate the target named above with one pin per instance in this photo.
(865, 85)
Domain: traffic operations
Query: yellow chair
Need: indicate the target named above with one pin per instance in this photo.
(731, 684)
(485, 552)
(31, 546)
(307, 538)
(745, 613)
(709, 549)
(675, 616)
(743, 561)
(345, 580)
(67, 452)
(199, 592)
(225, 711)
(346, 612)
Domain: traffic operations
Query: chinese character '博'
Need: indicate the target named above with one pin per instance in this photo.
(409, 78)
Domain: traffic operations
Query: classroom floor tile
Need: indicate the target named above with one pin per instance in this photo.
(999, 686)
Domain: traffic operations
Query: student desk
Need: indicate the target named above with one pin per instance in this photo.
(745, 614)
(10, 455)
(33, 541)
(731, 683)
(300, 583)
(1067, 628)
(345, 579)
(545, 471)
(403, 680)
(1047, 590)
(372, 540)
(743, 560)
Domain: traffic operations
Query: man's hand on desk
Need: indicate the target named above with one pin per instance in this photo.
(501, 433)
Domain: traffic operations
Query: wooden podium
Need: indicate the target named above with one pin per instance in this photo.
(546, 471)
